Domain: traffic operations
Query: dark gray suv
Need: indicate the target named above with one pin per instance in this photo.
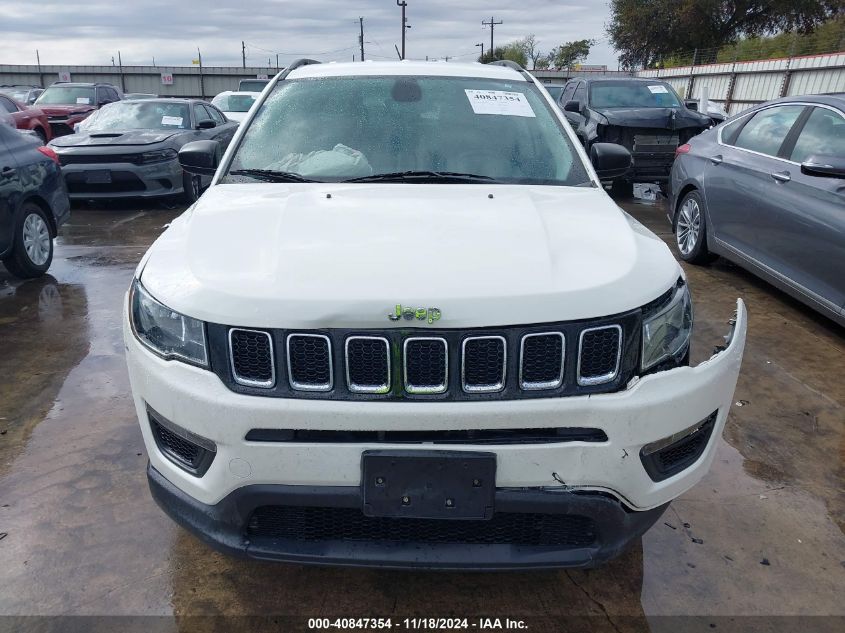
(766, 190)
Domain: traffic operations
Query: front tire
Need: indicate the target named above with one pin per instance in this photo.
(191, 187)
(32, 252)
(691, 230)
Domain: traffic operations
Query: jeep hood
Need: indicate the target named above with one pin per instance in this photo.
(131, 137)
(291, 256)
(665, 118)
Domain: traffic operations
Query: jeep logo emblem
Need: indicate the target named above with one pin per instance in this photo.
(420, 314)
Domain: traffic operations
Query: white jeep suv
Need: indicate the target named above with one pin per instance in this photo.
(406, 326)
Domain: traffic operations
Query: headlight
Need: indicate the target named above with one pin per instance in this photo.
(167, 333)
(668, 331)
(158, 156)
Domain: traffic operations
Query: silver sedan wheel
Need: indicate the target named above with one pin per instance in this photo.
(36, 239)
(689, 226)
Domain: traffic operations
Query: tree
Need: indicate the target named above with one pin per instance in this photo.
(542, 64)
(532, 50)
(645, 31)
(514, 51)
(570, 53)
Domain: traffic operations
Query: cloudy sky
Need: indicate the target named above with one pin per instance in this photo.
(92, 31)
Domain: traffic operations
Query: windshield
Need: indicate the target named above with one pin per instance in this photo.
(335, 129)
(67, 95)
(252, 85)
(632, 94)
(138, 115)
(233, 102)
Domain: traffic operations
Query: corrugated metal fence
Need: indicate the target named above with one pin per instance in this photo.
(188, 81)
(741, 85)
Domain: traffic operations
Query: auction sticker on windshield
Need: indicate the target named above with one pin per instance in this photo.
(658, 90)
(171, 120)
(499, 102)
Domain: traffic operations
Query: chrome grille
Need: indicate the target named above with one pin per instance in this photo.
(541, 361)
(310, 362)
(599, 352)
(367, 364)
(426, 365)
(251, 354)
(484, 361)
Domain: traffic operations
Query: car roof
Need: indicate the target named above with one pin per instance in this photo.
(81, 84)
(836, 100)
(249, 93)
(634, 79)
(165, 100)
(407, 68)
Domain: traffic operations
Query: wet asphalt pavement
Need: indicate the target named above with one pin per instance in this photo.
(761, 535)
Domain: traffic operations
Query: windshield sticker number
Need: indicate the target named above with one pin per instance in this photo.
(658, 90)
(83, 100)
(499, 102)
(171, 120)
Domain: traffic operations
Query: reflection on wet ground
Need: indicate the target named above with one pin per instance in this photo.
(762, 534)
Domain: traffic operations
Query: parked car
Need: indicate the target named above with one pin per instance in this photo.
(644, 115)
(235, 105)
(129, 148)
(252, 85)
(24, 94)
(297, 359)
(716, 112)
(27, 118)
(767, 191)
(33, 203)
(139, 95)
(67, 104)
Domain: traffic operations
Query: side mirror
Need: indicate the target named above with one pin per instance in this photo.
(691, 104)
(200, 157)
(206, 124)
(824, 165)
(610, 160)
(572, 106)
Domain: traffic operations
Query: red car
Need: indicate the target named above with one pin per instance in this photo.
(67, 104)
(27, 118)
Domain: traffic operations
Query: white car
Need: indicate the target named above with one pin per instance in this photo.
(406, 327)
(235, 105)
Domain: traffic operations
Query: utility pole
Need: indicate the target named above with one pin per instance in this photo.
(361, 20)
(492, 24)
(403, 4)
(40, 76)
(122, 79)
(243, 52)
(277, 62)
(202, 83)
(481, 44)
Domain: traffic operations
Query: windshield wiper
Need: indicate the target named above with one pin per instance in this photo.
(423, 176)
(271, 175)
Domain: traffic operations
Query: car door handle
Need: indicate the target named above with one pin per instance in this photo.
(7, 171)
(716, 160)
(781, 176)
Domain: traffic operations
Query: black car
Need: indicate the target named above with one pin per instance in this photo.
(24, 94)
(33, 203)
(644, 115)
(128, 149)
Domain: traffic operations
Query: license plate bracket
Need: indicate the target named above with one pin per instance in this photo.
(428, 484)
(98, 177)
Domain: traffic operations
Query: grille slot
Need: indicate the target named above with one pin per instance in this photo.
(368, 364)
(599, 353)
(484, 360)
(316, 524)
(310, 362)
(675, 454)
(426, 365)
(251, 352)
(541, 361)
(187, 450)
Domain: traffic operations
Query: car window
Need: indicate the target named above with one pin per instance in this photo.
(7, 105)
(766, 130)
(339, 128)
(67, 95)
(568, 92)
(620, 93)
(823, 135)
(138, 115)
(111, 94)
(581, 92)
(216, 114)
(200, 113)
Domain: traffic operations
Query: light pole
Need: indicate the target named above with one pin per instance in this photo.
(481, 44)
